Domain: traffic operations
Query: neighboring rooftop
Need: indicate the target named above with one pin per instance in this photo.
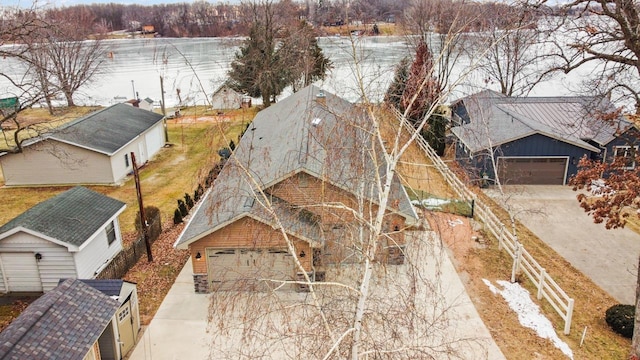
(71, 217)
(63, 324)
(495, 119)
(312, 132)
(107, 130)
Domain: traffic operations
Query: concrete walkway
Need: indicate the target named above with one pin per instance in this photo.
(179, 328)
(608, 257)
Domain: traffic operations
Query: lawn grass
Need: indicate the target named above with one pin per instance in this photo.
(174, 171)
(177, 169)
(39, 120)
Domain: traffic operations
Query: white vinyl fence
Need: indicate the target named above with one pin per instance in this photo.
(546, 286)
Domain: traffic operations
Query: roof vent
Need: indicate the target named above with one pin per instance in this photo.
(316, 121)
(321, 97)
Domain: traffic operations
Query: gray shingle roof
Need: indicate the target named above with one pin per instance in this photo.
(107, 130)
(62, 324)
(496, 120)
(70, 217)
(327, 137)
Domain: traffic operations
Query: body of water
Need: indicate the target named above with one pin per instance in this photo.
(198, 66)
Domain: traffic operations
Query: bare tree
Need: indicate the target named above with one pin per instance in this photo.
(316, 167)
(516, 58)
(65, 62)
(602, 35)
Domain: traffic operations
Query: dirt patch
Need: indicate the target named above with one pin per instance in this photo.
(200, 119)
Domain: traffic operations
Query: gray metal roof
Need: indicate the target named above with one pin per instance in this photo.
(70, 217)
(311, 131)
(107, 130)
(62, 324)
(496, 120)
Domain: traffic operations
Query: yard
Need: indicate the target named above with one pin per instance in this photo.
(176, 170)
(193, 150)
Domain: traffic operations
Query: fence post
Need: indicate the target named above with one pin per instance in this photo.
(516, 262)
(567, 321)
(473, 204)
(543, 273)
(500, 240)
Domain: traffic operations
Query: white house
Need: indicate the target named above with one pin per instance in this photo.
(94, 149)
(72, 235)
(226, 98)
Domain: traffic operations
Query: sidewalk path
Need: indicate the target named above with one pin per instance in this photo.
(179, 328)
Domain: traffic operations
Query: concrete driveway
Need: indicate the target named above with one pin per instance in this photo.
(181, 328)
(608, 257)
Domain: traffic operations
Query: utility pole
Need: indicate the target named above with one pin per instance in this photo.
(143, 218)
(164, 111)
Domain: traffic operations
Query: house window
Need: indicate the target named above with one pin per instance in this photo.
(111, 233)
(126, 160)
(628, 154)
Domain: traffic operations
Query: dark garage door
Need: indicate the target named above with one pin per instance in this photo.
(536, 171)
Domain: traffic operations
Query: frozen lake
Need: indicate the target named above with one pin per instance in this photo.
(198, 66)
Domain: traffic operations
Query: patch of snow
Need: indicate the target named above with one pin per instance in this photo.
(434, 202)
(528, 312)
(599, 188)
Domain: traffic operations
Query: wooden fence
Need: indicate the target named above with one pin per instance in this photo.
(546, 287)
(125, 260)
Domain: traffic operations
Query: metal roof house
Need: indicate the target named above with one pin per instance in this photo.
(74, 321)
(533, 140)
(72, 235)
(304, 153)
(93, 149)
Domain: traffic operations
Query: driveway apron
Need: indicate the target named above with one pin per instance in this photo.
(608, 257)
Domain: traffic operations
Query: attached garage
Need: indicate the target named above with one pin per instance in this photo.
(244, 269)
(533, 170)
(20, 272)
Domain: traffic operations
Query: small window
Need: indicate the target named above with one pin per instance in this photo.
(111, 233)
(126, 160)
(124, 314)
(628, 153)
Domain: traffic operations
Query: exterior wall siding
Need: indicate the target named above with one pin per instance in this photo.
(245, 233)
(531, 146)
(57, 263)
(122, 168)
(97, 252)
(630, 137)
(52, 162)
(308, 192)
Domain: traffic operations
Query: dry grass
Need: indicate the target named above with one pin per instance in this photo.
(475, 263)
(39, 120)
(174, 171)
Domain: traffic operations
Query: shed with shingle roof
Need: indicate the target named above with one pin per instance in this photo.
(72, 235)
(532, 140)
(73, 321)
(94, 149)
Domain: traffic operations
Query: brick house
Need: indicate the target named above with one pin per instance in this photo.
(301, 168)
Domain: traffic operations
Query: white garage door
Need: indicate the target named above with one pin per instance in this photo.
(21, 272)
(242, 269)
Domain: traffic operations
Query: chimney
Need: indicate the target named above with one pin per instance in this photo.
(321, 98)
